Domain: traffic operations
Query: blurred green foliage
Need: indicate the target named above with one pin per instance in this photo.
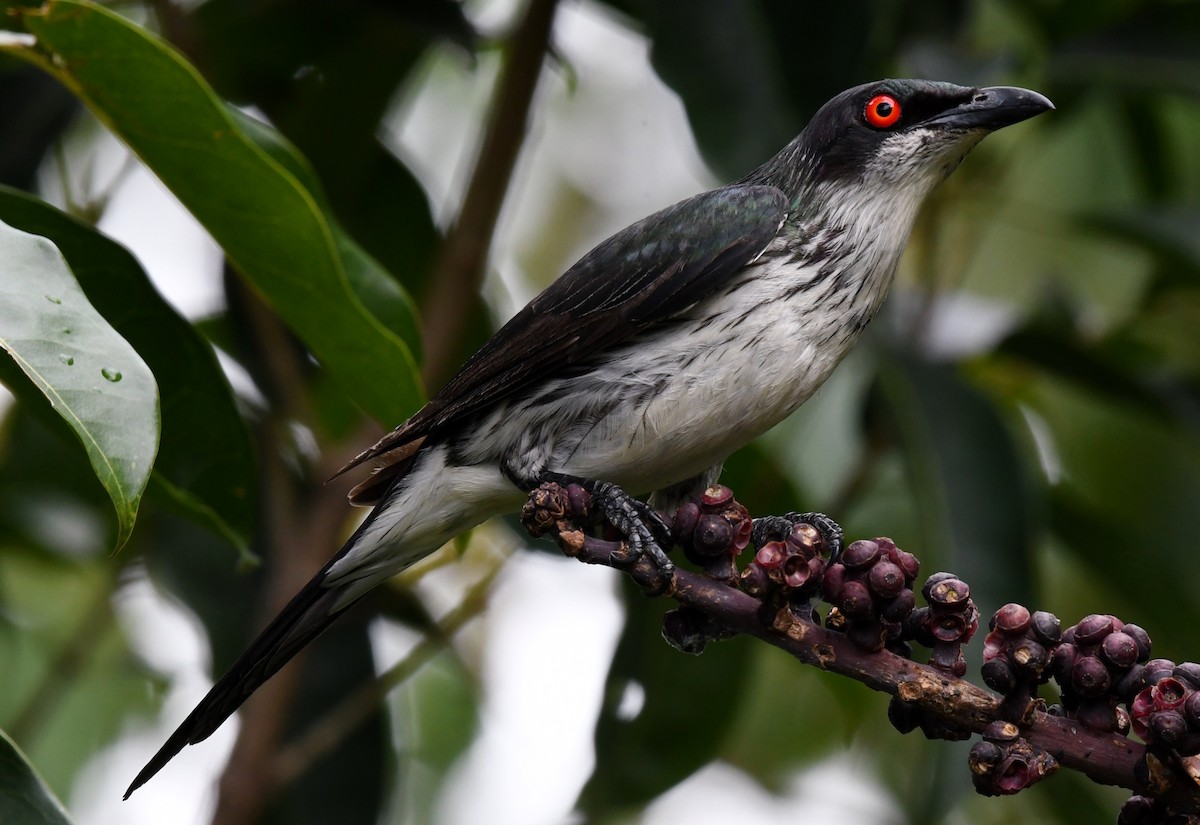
(1026, 411)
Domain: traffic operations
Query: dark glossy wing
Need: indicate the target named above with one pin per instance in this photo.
(646, 273)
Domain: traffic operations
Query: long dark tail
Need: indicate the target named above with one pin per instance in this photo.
(304, 618)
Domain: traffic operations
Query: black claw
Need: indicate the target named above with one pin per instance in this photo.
(827, 527)
(776, 528)
(770, 528)
(645, 530)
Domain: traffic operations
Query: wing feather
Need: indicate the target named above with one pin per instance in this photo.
(643, 275)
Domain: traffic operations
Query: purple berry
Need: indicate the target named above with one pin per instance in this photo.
(1012, 619)
(860, 555)
(886, 579)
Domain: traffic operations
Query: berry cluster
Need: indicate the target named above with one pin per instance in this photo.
(712, 529)
(1098, 665)
(947, 623)
(1166, 710)
(790, 569)
(1146, 810)
(1107, 681)
(1003, 763)
(870, 589)
(1016, 653)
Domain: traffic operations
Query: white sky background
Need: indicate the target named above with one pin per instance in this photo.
(613, 149)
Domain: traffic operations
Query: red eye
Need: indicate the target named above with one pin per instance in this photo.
(882, 111)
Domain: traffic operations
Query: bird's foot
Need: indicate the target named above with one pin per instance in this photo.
(768, 528)
(646, 533)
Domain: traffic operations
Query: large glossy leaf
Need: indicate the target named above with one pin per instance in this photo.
(24, 797)
(295, 61)
(269, 225)
(87, 372)
(205, 460)
(373, 285)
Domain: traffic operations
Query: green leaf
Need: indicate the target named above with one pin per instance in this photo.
(373, 284)
(24, 797)
(269, 225)
(205, 460)
(90, 375)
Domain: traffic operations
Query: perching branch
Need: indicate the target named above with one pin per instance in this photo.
(1107, 682)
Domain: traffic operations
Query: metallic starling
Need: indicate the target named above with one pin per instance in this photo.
(670, 345)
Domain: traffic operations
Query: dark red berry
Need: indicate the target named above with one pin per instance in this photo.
(1062, 662)
(855, 600)
(579, 501)
(1129, 683)
(1001, 732)
(1169, 693)
(918, 626)
(1013, 619)
(949, 627)
(885, 579)
(984, 757)
(795, 570)
(1092, 629)
(998, 675)
(1139, 810)
(1191, 709)
(908, 563)
(1089, 677)
(1140, 710)
(1046, 628)
(1142, 638)
(806, 539)
(1188, 673)
(951, 593)
(903, 716)
(1158, 669)
(899, 607)
(1168, 727)
(755, 579)
(713, 535)
(715, 498)
(1119, 649)
(860, 555)
(995, 645)
(771, 555)
(743, 527)
(832, 584)
(1029, 657)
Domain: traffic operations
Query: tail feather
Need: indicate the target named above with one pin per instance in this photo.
(305, 617)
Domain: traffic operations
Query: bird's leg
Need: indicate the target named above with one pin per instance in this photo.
(768, 527)
(640, 523)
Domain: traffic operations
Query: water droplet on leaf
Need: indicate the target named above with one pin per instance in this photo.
(111, 375)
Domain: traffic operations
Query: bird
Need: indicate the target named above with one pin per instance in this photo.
(663, 350)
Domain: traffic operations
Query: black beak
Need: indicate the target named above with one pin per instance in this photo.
(993, 108)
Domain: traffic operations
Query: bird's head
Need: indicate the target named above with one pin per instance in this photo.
(895, 136)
